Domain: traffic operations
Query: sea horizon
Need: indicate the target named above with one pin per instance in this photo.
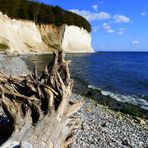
(120, 51)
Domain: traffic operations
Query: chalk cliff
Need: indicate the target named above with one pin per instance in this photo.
(76, 40)
(25, 36)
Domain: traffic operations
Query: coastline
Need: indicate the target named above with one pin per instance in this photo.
(38, 53)
(13, 65)
(21, 65)
(23, 54)
(101, 126)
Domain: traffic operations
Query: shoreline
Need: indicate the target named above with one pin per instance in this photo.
(101, 126)
(16, 65)
(24, 54)
(119, 106)
(39, 53)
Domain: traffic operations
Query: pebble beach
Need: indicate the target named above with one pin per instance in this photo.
(104, 128)
(100, 126)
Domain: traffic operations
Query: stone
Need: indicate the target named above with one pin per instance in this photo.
(88, 109)
(125, 142)
(140, 121)
(25, 144)
(104, 124)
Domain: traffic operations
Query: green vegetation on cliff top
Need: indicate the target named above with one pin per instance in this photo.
(41, 13)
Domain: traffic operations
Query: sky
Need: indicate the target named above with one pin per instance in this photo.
(117, 25)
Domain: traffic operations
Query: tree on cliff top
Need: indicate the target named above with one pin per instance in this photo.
(41, 13)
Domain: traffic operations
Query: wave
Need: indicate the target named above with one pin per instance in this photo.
(135, 100)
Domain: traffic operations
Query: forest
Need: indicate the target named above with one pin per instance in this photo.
(41, 13)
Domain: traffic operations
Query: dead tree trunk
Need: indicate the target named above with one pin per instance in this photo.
(38, 109)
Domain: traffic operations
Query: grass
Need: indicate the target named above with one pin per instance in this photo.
(3, 47)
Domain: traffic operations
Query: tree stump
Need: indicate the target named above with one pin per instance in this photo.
(39, 109)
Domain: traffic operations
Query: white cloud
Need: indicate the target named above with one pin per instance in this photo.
(90, 16)
(121, 19)
(135, 42)
(97, 16)
(110, 31)
(108, 28)
(144, 13)
(95, 7)
(95, 29)
(121, 31)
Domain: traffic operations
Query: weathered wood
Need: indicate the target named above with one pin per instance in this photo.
(39, 110)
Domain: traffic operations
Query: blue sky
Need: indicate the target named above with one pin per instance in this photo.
(117, 25)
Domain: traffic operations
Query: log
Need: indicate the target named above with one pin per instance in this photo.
(38, 108)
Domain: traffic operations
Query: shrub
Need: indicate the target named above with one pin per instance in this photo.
(3, 46)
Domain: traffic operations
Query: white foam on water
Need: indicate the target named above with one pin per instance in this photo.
(135, 100)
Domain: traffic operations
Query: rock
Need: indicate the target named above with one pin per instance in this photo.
(25, 144)
(140, 121)
(125, 142)
(88, 109)
(140, 144)
(41, 38)
(76, 40)
(104, 124)
(13, 65)
(120, 117)
(117, 128)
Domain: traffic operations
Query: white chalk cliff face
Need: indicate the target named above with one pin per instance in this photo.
(25, 36)
(76, 40)
(20, 36)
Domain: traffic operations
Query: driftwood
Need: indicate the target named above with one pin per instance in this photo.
(39, 110)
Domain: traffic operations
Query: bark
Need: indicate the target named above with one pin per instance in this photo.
(39, 110)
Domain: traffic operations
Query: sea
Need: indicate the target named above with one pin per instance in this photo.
(121, 75)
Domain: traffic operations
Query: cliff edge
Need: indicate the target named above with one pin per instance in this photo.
(24, 36)
(76, 40)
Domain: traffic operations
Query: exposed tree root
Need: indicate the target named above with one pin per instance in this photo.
(39, 111)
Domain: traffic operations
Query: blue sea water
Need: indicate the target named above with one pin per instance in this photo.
(122, 75)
